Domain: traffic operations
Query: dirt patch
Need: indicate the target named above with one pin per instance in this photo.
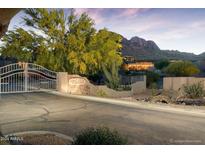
(41, 139)
(167, 97)
(144, 96)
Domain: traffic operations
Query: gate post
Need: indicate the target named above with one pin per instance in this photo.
(62, 82)
(26, 76)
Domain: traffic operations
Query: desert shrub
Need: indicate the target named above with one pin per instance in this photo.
(195, 90)
(99, 136)
(182, 68)
(101, 93)
(154, 89)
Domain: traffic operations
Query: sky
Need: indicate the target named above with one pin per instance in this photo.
(173, 29)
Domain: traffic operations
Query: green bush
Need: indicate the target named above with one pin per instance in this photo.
(195, 90)
(182, 68)
(99, 136)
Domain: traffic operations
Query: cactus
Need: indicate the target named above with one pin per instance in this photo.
(195, 90)
(111, 76)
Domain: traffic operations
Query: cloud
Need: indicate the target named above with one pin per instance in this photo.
(95, 14)
(130, 12)
(132, 26)
(177, 31)
(103, 14)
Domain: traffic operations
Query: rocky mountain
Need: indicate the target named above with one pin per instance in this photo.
(142, 43)
(202, 55)
(142, 49)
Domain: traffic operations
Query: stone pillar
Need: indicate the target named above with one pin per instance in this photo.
(62, 82)
(145, 82)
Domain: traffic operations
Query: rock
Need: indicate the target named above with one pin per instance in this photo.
(162, 99)
(189, 101)
(143, 99)
(142, 43)
(147, 99)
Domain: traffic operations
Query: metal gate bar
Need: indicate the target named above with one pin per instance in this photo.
(26, 77)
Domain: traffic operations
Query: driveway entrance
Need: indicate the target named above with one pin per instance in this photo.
(48, 112)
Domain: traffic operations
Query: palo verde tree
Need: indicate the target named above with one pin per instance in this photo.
(107, 56)
(20, 44)
(63, 42)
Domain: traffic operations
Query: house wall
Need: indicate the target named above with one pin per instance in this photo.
(176, 83)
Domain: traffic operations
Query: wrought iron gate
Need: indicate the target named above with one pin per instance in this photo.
(26, 77)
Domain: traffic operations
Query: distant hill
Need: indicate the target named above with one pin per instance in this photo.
(142, 49)
(201, 56)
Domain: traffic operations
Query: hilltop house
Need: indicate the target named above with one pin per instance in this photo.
(131, 64)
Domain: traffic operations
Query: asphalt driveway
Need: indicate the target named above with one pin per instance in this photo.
(48, 112)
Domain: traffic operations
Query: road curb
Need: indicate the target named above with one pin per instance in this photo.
(135, 104)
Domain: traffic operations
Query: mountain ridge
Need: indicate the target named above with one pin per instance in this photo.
(143, 49)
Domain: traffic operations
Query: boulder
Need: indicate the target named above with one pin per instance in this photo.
(161, 99)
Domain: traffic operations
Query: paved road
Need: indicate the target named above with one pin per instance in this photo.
(42, 111)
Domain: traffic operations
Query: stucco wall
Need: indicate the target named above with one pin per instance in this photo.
(75, 84)
(139, 86)
(176, 83)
